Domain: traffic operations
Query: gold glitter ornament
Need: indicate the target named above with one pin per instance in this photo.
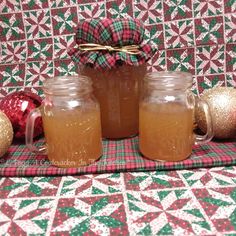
(6, 133)
(222, 104)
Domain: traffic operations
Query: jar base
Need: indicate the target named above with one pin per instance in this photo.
(119, 138)
(164, 160)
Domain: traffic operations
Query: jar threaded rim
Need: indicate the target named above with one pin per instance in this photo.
(171, 80)
(67, 85)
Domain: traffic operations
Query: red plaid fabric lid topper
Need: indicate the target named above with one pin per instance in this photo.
(108, 42)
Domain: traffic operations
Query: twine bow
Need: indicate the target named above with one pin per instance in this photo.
(130, 49)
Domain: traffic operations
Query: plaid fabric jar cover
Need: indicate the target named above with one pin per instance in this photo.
(118, 33)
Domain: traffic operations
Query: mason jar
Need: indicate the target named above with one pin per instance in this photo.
(71, 122)
(112, 52)
(166, 117)
(117, 91)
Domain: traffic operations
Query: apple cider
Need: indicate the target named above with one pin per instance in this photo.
(166, 117)
(166, 131)
(117, 91)
(71, 122)
(73, 137)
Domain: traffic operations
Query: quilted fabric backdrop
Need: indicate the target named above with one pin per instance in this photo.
(191, 35)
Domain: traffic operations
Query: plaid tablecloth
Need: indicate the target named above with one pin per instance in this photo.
(117, 156)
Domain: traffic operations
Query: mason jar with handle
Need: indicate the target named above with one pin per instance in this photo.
(166, 117)
(71, 122)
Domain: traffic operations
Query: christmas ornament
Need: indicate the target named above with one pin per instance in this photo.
(6, 133)
(17, 106)
(222, 104)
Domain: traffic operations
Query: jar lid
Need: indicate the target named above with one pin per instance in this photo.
(107, 43)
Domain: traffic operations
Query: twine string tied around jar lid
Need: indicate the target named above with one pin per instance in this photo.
(130, 49)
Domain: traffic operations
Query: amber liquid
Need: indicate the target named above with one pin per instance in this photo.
(117, 91)
(166, 131)
(73, 137)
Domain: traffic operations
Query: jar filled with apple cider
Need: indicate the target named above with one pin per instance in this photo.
(112, 53)
(166, 114)
(71, 122)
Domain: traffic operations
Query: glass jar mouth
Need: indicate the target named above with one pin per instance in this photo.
(169, 80)
(67, 85)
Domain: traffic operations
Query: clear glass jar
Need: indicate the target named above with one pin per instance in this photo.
(71, 122)
(166, 117)
(117, 91)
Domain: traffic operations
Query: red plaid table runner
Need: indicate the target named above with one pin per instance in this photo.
(117, 156)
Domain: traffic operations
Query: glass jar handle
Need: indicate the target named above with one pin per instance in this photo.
(29, 133)
(202, 139)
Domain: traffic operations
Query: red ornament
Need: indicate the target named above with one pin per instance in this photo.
(17, 106)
